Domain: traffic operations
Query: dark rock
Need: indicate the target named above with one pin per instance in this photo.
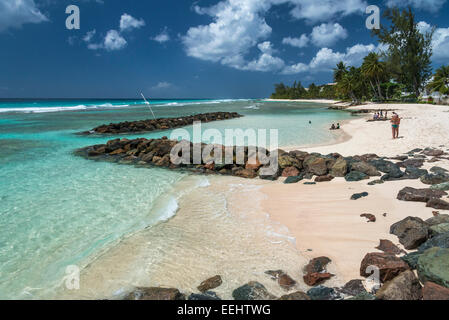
(312, 279)
(415, 150)
(298, 295)
(442, 186)
(439, 229)
(155, 294)
(252, 291)
(290, 180)
(439, 170)
(438, 204)
(357, 196)
(325, 178)
(416, 163)
(419, 195)
(323, 293)
(388, 167)
(438, 219)
(403, 287)
(365, 168)
(285, 161)
(353, 287)
(317, 265)
(411, 231)
(432, 152)
(340, 168)
(160, 124)
(414, 173)
(208, 295)
(363, 296)
(290, 172)
(210, 283)
(369, 216)
(411, 259)
(309, 183)
(356, 176)
(388, 247)
(315, 165)
(433, 291)
(389, 265)
(400, 158)
(433, 266)
(434, 178)
(283, 279)
(440, 241)
(374, 182)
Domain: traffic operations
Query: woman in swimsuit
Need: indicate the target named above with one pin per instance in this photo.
(395, 122)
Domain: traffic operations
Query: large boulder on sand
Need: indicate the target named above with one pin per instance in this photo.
(419, 195)
(356, 176)
(365, 168)
(252, 291)
(433, 291)
(433, 265)
(433, 179)
(155, 294)
(210, 283)
(440, 241)
(315, 165)
(411, 231)
(290, 172)
(403, 287)
(340, 168)
(389, 265)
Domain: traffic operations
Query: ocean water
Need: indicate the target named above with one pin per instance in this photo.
(58, 210)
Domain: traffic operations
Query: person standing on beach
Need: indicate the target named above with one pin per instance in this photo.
(395, 122)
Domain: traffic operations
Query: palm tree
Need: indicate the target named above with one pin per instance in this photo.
(440, 80)
(340, 71)
(374, 70)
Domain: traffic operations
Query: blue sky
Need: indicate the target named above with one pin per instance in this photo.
(188, 49)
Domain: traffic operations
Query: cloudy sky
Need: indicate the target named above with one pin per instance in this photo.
(188, 49)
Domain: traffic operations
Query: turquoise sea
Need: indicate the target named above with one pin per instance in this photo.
(58, 210)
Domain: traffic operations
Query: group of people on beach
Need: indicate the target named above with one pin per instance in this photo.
(335, 127)
(380, 115)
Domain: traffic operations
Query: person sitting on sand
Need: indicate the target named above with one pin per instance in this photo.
(338, 126)
(376, 116)
(395, 122)
(332, 127)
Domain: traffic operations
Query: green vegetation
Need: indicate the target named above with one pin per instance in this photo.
(399, 73)
(297, 91)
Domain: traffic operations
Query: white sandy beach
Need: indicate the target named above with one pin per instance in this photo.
(323, 218)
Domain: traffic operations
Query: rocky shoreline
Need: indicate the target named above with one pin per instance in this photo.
(420, 274)
(295, 166)
(150, 125)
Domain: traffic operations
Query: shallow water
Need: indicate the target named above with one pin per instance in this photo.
(58, 210)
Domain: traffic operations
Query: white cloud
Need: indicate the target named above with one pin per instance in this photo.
(301, 42)
(239, 25)
(114, 41)
(440, 41)
(162, 37)
(429, 5)
(89, 35)
(324, 10)
(327, 34)
(128, 23)
(162, 85)
(266, 62)
(15, 13)
(326, 59)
